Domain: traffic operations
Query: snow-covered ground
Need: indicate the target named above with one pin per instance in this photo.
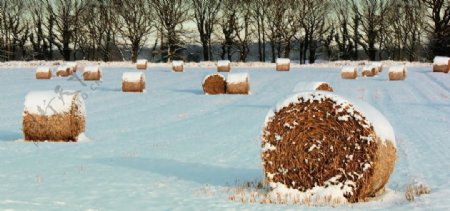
(173, 147)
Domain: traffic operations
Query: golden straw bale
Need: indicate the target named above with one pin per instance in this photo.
(50, 116)
(238, 83)
(92, 73)
(214, 84)
(43, 73)
(397, 73)
(349, 72)
(321, 140)
(141, 64)
(283, 64)
(369, 71)
(133, 82)
(177, 66)
(64, 71)
(224, 66)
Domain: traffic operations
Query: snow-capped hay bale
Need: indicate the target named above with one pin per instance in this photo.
(141, 64)
(214, 84)
(237, 83)
(441, 64)
(52, 116)
(312, 86)
(283, 64)
(397, 73)
(378, 66)
(73, 66)
(133, 82)
(92, 73)
(349, 72)
(369, 71)
(318, 142)
(224, 66)
(64, 71)
(43, 73)
(178, 66)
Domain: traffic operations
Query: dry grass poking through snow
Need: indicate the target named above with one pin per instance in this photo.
(416, 190)
(257, 192)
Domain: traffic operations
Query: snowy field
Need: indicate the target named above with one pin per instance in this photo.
(172, 147)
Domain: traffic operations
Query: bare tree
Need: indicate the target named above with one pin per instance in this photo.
(372, 14)
(344, 37)
(14, 30)
(244, 29)
(258, 14)
(281, 26)
(172, 14)
(134, 23)
(228, 23)
(439, 28)
(67, 15)
(205, 14)
(38, 35)
(98, 33)
(403, 34)
(312, 17)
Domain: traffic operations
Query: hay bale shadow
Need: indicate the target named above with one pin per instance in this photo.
(106, 89)
(195, 172)
(10, 136)
(189, 91)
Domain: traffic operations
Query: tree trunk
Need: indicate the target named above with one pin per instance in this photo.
(66, 51)
(205, 50)
(134, 51)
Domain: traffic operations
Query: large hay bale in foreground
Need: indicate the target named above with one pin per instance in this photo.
(141, 64)
(349, 72)
(283, 64)
(319, 142)
(43, 73)
(133, 82)
(178, 66)
(224, 66)
(378, 66)
(64, 71)
(312, 86)
(397, 73)
(214, 84)
(369, 71)
(441, 64)
(238, 83)
(92, 73)
(52, 116)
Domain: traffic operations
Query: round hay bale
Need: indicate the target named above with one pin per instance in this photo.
(318, 142)
(283, 64)
(92, 73)
(43, 73)
(64, 71)
(141, 64)
(73, 66)
(53, 116)
(397, 73)
(133, 82)
(349, 72)
(378, 66)
(312, 86)
(369, 71)
(224, 66)
(178, 66)
(214, 84)
(237, 83)
(441, 64)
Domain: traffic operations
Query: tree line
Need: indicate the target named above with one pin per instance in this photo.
(238, 30)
